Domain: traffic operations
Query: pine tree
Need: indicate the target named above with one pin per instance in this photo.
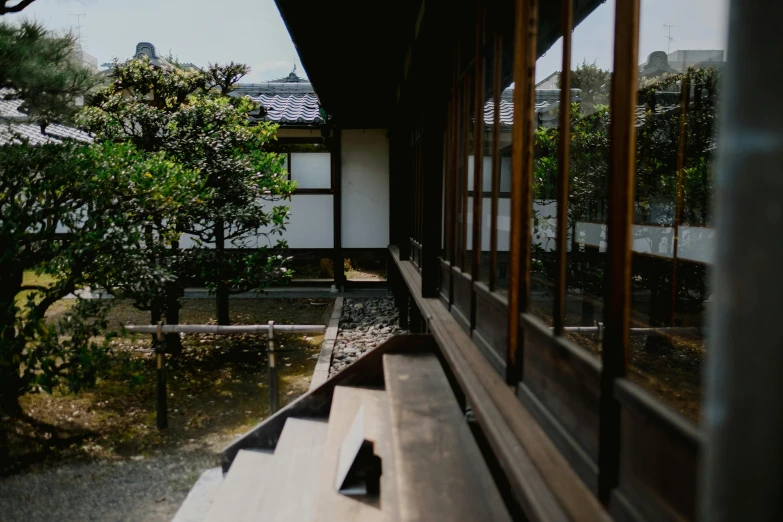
(43, 70)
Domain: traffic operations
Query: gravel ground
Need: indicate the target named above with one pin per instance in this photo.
(136, 489)
(365, 324)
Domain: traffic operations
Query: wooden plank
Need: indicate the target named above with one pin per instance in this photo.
(521, 179)
(464, 153)
(478, 143)
(337, 206)
(491, 329)
(331, 505)
(441, 474)
(659, 458)
(200, 497)
(367, 371)
(234, 498)
(432, 211)
(622, 169)
(543, 483)
(497, 88)
(291, 487)
(321, 372)
(563, 167)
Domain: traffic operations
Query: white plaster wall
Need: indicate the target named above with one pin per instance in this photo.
(365, 186)
(311, 221)
(310, 225)
(486, 173)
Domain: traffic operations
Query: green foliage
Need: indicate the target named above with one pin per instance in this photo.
(594, 82)
(656, 178)
(81, 215)
(189, 115)
(44, 70)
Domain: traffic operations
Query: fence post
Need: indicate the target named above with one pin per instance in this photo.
(273, 392)
(160, 351)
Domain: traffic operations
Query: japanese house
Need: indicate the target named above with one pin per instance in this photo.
(505, 404)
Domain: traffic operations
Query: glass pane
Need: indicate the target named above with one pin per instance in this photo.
(311, 170)
(591, 63)
(504, 201)
(466, 145)
(673, 238)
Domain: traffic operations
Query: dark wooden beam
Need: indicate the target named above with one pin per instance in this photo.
(617, 301)
(521, 179)
(337, 211)
(563, 172)
(432, 199)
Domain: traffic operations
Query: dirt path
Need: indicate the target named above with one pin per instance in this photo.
(119, 466)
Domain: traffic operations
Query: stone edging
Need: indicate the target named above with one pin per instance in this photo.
(321, 373)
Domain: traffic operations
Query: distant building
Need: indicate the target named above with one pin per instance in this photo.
(657, 64)
(16, 127)
(681, 60)
(550, 82)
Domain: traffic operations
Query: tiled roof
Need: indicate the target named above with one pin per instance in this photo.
(546, 101)
(290, 108)
(287, 100)
(14, 127)
(55, 133)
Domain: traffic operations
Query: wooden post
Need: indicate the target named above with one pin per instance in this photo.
(337, 187)
(563, 164)
(682, 144)
(497, 90)
(478, 155)
(221, 292)
(617, 300)
(273, 391)
(416, 319)
(160, 354)
(432, 224)
(526, 36)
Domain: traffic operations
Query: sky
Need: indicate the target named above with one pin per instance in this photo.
(197, 31)
(698, 24)
(252, 32)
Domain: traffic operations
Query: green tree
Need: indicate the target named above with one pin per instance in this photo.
(188, 114)
(44, 71)
(79, 215)
(595, 84)
(13, 6)
(660, 140)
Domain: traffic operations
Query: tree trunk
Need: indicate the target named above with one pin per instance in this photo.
(173, 340)
(173, 293)
(11, 384)
(222, 290)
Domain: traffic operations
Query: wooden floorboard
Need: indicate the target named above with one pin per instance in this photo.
(441, 474)
(366, 371)
(545, 485)
(291, 495)
(333, 506)
(232, 500)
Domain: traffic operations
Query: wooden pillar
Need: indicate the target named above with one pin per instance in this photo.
(526, 37)
(617, 298)
(337, 187)
(433, 203)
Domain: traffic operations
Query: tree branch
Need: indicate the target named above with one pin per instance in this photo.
(34, 288)
(14, 8)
